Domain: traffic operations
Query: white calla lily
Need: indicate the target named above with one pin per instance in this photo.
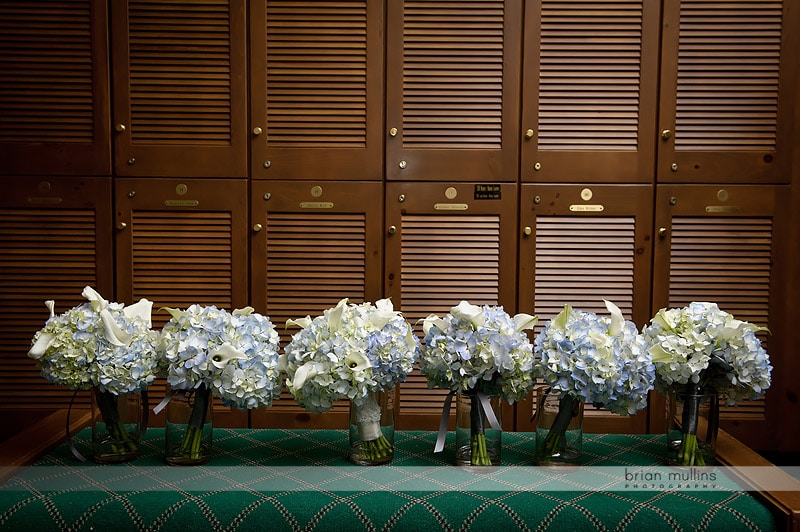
(143, 310)
(431, 320)
(97, 301)
(357, 362)
(40, 346)
(245, 311)
(303, 373)
(334, 315)
(471, 313)
(225, 354)
(51, 306)
(384, 314)
(113, 332)
(617, 320)
(523, 322)
(560, 321)
(299, 322)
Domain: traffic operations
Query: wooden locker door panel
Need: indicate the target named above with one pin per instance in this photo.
(447, 242)
(590, 91)
(318, 242)
(452, 90)
(181, 242)
(723, 245)
(180, 88)
(727, 88)
(581, 245)
(55, 239)
(54, 88)
(317, 90)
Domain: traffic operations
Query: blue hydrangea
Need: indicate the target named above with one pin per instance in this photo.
(235, 354)
(476, 347)
(347, 352)
(599, 360)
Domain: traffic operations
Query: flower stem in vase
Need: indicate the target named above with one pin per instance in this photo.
(192, 439)
(689, 453)
(480, 455)
(121, 441)
(555, 442)
(375, 447)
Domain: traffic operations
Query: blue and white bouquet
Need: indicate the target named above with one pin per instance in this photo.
(699, 349)
(349, 352)
(595, 359)
(481, 351)
(100, 345)
(232, 355)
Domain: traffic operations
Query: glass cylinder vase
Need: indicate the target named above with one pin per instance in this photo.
(189, 428)
(372, 428)
(477, 442)
(559, 429)
(116, 426)
(692, 428)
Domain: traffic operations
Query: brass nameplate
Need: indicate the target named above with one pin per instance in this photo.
(722, 208)
(586, 208)
(181, 203)
(451, 206)
(44, 201)
(316, 205)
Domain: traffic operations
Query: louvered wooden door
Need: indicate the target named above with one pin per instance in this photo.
(313, 244)
(452, 90)
(447, 242)
(579, 246)
(722, 244)
(181, 242)
(726, 92)
(180, 88)
(55, 239)
(589, 91)
(54, 88)
(316, 79)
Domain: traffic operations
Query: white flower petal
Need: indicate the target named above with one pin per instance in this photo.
(303, 373)
(469, 312)
(524, 322)
(113, 332)
(617, 320)
(225, 354)
(300, 322)
(40, 346)
(51, 306)
(98, 303)
(143, 310)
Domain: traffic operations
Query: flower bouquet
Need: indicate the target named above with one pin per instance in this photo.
(208, 351)
(479, 352)
(108, 348)
(351, 352)
(700, 349)
(587, 358)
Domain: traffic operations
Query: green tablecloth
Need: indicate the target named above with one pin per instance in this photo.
(276, 479)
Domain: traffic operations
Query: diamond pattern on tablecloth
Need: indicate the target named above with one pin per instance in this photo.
(300, 479)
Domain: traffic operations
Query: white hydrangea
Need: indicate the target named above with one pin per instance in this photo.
(98, 344)
(708, 347)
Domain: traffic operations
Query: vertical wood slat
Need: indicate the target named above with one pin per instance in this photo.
(452, 90)
(180, 94)
(54, 89)
(317, 77)
(55, 239)
(589, 91)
